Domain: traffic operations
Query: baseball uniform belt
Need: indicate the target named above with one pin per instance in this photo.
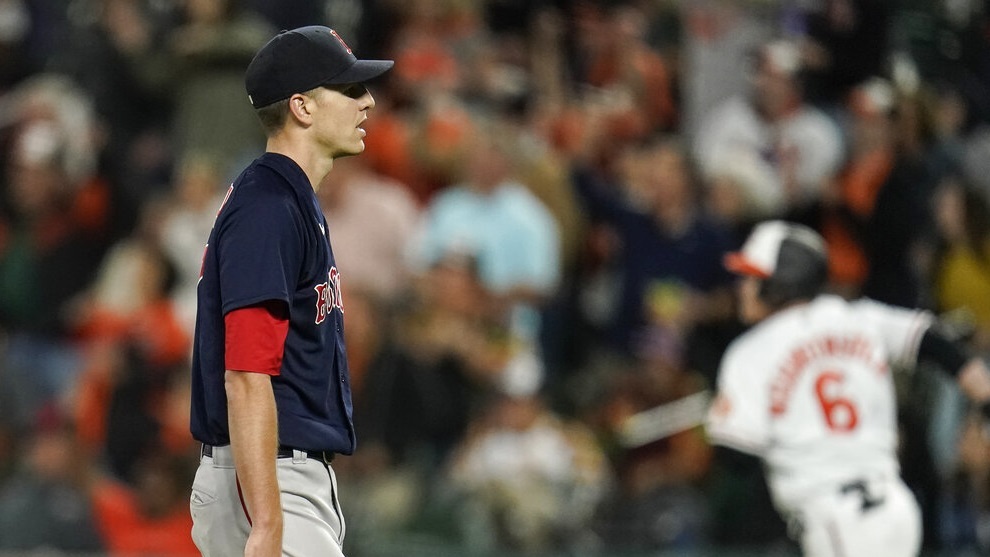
(326, 457)
(868, 497)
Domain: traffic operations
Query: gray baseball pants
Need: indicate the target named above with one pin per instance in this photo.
(313, 523)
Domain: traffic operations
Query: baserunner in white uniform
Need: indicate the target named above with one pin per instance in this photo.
(810, 390)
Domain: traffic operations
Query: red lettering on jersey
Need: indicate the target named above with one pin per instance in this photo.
(839, 412)
(321, 302)
(338, 299)
(828, 346)
(328, 296)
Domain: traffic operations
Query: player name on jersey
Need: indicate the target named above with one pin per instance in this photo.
(827, 346)
(328, 296)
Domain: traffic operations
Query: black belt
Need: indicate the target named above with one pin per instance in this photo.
(868, 500)
(325, 457)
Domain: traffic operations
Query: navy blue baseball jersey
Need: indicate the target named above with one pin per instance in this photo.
(270, 242)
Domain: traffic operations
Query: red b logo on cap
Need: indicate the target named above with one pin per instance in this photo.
(336, 36)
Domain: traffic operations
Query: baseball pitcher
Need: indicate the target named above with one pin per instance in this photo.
(271, 397)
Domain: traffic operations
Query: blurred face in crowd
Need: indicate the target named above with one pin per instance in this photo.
(517, 413)
(633, 169)
(841, 14)
(207, 11)
(196, 183)
(487, 163)
(150, 273)
(775, 92)
(950, 212)
(872, 132)
(159, 490)
(657, 180)
(454, 286)
(52, 456)
(671, 180)
(876, 109)
(35, 177)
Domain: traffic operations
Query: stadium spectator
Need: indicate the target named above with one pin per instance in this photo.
(48, 502)
(631, 77)
(847, 42)
(660, 461)
(718, 37)
(795, 146)
(527, 479)
(150, 518)
(512, 234)
(961, 269)
(186, 214)
(199, 64)
(53, 225)
(371, 217)
(668, 251)
(449, 346)
(874, 213)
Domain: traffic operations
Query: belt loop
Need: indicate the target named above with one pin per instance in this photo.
(298, 457)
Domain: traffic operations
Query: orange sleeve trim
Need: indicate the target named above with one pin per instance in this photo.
(255, 337)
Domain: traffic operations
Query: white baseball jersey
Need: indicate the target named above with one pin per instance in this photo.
(810, 391)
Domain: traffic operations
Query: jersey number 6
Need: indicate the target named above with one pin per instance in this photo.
(840, 413)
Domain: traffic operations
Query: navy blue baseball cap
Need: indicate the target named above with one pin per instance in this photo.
(301, 59)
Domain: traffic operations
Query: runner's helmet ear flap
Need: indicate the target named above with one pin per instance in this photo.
(790, 260)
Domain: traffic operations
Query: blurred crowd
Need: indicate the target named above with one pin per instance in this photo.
(530, 251)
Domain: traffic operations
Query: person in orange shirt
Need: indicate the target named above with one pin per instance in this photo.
(152, 518)
(874, 212)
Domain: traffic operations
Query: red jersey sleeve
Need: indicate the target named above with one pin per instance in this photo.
(255, 337)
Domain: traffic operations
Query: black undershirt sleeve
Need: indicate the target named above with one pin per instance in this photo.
(938, 349)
